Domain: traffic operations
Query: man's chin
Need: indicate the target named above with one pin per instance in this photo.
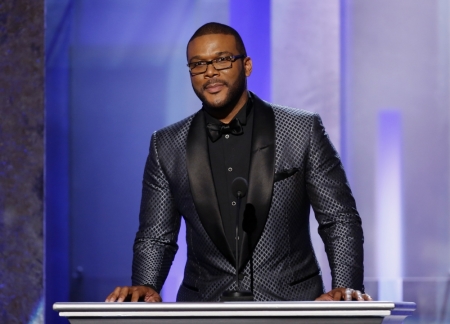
(215, 102)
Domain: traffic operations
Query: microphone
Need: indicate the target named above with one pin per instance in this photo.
(249, 224)
(239, 188)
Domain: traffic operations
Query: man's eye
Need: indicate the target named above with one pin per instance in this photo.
(221, 59)
(198, 63)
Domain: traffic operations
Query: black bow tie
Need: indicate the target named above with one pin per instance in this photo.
(215, 131)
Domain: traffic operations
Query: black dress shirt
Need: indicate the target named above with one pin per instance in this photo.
(230, 158)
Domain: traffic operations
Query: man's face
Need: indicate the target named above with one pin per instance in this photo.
(218, 89)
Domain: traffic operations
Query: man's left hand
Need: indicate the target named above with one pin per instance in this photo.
(344, 294)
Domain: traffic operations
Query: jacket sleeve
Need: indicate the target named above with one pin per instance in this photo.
(335, 210)
(155, 244)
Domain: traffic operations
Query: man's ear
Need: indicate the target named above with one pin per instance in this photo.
(248, 66)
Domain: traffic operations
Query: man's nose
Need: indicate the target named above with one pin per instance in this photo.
(211, 70)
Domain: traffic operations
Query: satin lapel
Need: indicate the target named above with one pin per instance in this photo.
(261, 175)
(202, 185)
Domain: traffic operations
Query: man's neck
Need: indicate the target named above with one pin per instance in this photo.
(227, 115)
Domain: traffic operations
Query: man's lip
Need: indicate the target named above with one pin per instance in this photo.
(214, 87)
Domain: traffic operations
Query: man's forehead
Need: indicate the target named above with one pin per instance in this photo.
(211, 43)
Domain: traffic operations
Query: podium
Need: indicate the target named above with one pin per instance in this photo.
(236, 312)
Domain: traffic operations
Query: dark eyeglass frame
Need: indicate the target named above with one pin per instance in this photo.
(230, 58)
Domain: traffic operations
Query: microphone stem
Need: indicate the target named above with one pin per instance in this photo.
(238, 283)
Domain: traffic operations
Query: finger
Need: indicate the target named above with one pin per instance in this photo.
(348, 294)
(324, 297)
(123, 294)
(135, 296)
(320, 298)
(110, 298)
(367, 297)
(113, 296)
(152, 297)
(337, 295)
(357, 295)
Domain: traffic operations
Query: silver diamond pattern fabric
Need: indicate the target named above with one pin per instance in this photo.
(285, 267)
(327, 190)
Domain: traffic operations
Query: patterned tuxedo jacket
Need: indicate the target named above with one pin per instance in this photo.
(293, 166)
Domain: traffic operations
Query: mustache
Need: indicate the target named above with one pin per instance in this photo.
(215, 80)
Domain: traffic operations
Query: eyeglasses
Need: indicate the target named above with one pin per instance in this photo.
(220, 63)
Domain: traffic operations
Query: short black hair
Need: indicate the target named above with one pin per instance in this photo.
(218, 28)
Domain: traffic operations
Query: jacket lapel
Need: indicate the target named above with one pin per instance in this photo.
(261, 175)
(202, 185)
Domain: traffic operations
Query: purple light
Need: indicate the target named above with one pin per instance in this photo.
(389, 206)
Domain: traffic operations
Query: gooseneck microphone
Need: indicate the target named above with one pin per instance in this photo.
(239, 188)
(249, 224)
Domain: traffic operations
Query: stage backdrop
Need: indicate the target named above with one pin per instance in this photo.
(377, 72)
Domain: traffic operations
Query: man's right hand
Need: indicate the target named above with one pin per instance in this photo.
(135, 292)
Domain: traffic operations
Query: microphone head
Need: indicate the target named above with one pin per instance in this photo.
(239, 187)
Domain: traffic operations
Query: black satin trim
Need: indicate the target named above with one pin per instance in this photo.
(261, 175)
(202, 185)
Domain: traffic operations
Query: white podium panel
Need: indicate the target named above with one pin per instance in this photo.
(236, 312)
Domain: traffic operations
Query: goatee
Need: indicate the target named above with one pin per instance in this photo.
(224, 106)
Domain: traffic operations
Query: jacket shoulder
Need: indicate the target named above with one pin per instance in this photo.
(284, 111)
(292, 119)
(289, 112)
(176, 130)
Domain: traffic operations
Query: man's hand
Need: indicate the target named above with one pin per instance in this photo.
(343, 294)
(135, 292)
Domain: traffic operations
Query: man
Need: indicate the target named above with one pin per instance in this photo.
(290, 165)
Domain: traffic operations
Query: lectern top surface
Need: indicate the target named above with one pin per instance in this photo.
(193, 312)
(228, 306)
